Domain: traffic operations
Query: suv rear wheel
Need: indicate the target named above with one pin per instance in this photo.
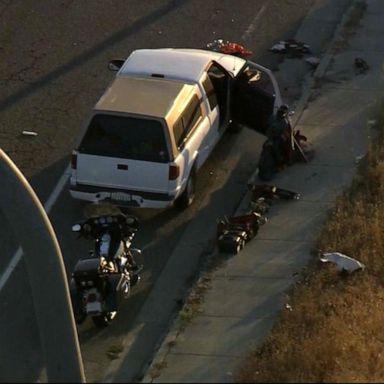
(187, 197)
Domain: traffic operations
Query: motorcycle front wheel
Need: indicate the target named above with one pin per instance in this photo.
(103, 320)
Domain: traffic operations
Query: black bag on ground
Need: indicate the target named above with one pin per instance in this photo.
(267, 162)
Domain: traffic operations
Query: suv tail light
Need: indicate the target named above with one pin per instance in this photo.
(174, 172)
(74, 160)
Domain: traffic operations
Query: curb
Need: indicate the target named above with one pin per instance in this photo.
(162, 353)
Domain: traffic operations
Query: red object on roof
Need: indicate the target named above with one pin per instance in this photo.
(231, 48)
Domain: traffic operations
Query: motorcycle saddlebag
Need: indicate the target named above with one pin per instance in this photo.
(231, 242)
(77, 302)
(87, 270)
(114, 295)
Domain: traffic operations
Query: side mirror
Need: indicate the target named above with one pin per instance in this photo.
(132, 221)
(76, 228)
(115, 64)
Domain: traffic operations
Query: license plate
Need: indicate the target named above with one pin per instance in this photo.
(120, 196)
(93, 308)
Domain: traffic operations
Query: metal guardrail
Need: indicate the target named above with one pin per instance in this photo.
(46, 272)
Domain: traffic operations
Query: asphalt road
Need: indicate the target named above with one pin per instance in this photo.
(53, 69)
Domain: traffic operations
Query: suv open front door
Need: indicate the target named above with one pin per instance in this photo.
(255, 97)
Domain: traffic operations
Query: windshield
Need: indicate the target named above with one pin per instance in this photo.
(125, 137)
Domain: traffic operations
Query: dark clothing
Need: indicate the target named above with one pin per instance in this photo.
(276, 126)
(279, 133)
(267, 162)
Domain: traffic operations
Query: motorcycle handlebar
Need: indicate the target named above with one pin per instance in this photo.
(92, 227)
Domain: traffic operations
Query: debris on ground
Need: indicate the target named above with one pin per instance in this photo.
(271, 193)
(313, 61)
(359, 158)
(288, 306)
(275, 156)
(260, 206)
(361, 65)
(229, 48)
(234, 232)
(304, 148)
(279, 47)
(292, 47)
(29, 133)
(342, 262)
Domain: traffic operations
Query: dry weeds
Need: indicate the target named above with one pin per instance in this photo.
(193, 302)
(334, 332)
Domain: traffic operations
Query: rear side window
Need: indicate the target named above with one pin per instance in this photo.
(210, 92)
(187, 121)
(125, 137)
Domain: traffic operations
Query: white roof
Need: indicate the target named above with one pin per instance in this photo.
(144, 96)
(176, 63)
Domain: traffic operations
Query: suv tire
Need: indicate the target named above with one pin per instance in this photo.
(187, 197)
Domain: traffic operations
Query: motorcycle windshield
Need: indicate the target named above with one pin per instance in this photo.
(108, 247)
(105, 243)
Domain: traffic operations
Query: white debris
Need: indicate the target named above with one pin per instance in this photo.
(288, 306)
(372, 123)
(359, 158)
(313, 61)
(298, 48)
(29, 133)
(279, 47)
(342, 261)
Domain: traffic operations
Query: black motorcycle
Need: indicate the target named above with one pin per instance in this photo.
(102, 280)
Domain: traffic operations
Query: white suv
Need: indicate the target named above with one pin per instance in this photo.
(159, 120)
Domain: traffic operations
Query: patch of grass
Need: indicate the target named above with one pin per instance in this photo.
(156, 369)
(334, 330)
(114, 351)
(171, 343)
(193, 302)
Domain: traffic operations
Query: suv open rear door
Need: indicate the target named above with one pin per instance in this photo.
(255, 97)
